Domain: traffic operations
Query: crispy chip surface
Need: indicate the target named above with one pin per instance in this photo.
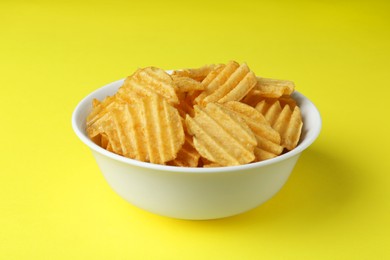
(229, 83)
(220, 136)
(285, 120)
(149, 129)
(198, 74)
(186, 84)
(273, 88)
(187, 156)
(147, 82)
(99, 109)
(268, 139)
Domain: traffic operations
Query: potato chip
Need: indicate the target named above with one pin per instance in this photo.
(253, 99)
(285, 120)
(185, 107)
(147, 82)
(268, 139)
(109, 129)
(109, 147)
(289, 125)
(192, 95)
(287, 100)
(148, 129)
(95, 103)
(187, 156)
(233, 82)
(99, 109)
(270, 109)
(203, 161)
(104, 142)
(212, 75)
(221, 136)
(186, 84)
(273, 88)
(198, 74)
(212, 165)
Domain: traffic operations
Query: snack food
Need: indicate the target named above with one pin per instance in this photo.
(268, 139)
(221, 136)
(284, 117)
(212, 116)
(228, 83)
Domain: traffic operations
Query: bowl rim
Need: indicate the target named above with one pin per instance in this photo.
(302, 145)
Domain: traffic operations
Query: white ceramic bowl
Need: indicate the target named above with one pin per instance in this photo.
(195, 193)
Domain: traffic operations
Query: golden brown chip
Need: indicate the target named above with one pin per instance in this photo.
(212, 165)
(220, 136)
(110, 130)
(147, 82)
(164, 130)
(186, 84)
(270, 109)
(99, 109)
(198, 74)
(287, 100)
(268, 139)
(232, 83)
(109, 147)
(212, 75)
(289, 125)
(95, 103)
(273, 88)
(204, 161)
(287, 121)
(187, 156)
(254, 97)
(149, 129)
(104, 141)
(185, 107)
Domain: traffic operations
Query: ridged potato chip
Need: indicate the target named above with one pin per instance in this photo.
(147, 82)
(220, 136)
(185, 107)
(148, 129)
(187, 156)
(273, 88)
(268, 139)
(186, 84)
(286, 120)
(229, 83)
(100, 109)
(198, 74)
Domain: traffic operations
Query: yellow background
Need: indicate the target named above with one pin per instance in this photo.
(54, 202)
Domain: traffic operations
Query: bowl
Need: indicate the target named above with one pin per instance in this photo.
(195, 193)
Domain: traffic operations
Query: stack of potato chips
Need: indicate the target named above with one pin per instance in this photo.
(213, 116)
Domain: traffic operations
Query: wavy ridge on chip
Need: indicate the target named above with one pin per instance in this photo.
(198, 74)
(100, 109)
(286, 120)
(273, 88)
(149, 129)
(147, 82)
(187, 156)
(220, 136)
(268, 139)
(231, 82)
